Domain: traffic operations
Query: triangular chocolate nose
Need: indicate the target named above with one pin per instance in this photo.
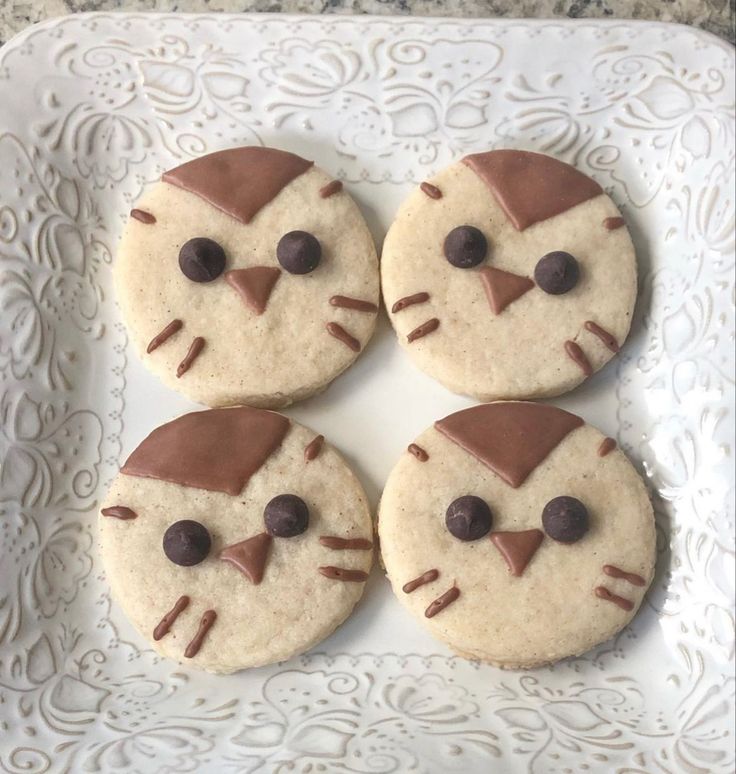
(255, 285)
(503, 287)
(517, 548)
(249, 556)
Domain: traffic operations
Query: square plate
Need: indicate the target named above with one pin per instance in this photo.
(94, 107)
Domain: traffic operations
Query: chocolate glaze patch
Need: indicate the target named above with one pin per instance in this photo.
(517, 548)
(511, 438)
(238, 181)
(249, 556)
(254, 285)
(531, 187)
(119, 512)
(217, 450)
(503, 287)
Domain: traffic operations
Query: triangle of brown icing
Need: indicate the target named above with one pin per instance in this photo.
(503, 287)
(531, 187)
(217, 450)
(249, 556)
(509, 437)
(254, 285)
(517, 548)
(238, 181)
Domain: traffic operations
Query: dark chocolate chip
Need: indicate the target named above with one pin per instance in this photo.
(565, 519)
(201, 259)
(556, 273)
(286, 516)
(187, 542)
(468, 518)
(465, 247)
(299, 252)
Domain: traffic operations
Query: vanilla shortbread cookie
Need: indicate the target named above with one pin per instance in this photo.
(234, 538)
(517, 534)
(509, 275)
(247, 276)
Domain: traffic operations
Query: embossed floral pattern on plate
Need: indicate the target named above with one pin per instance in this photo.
(94, 108)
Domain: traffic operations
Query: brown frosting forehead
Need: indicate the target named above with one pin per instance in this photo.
(531, 187)
(510, 438)
(238, 181)
(217, 450)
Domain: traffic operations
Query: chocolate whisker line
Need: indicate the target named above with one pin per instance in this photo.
(195, 349)
(403, 303)
(443, 601)
(345, 544)
(163, 626)
(354, 304)
(630, 577)
(343, 574)
(164, 335)
(336, 330)
(606, 594)
(205, 624)
(426, 577)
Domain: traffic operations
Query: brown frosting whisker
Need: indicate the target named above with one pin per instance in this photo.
(431, 190)
(144, 217)
(173, 327)
(313, 448)
(608, 339)
(195, 348)
(345, 544)
(417, 298)
(425, 577)
(630, 577)
(578, 356)
(603, 593)
(336, 330)
(163, 626)
(356, 304)
(205, 624)
(333, 187)
(343, 574)
(423, 330)
(119, 512)
(443, 601)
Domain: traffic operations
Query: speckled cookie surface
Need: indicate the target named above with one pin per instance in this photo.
(487, 327)
(254, 332)
(256, 590)
(516, 576)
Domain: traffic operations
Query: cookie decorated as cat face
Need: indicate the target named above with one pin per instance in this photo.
(234, 538)
(247, 276)
(509, 275)
(517, 534)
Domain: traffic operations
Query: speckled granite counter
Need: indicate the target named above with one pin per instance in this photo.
(716, 16)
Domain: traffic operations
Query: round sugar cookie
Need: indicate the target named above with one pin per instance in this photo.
(509, 275)
(235, 537)
(517, 534)
(247, 276)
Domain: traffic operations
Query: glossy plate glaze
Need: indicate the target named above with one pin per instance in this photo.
(94, 107)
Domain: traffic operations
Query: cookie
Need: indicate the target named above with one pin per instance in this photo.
(235, 537)
(509, 275)
(247, 276)
(517, 534)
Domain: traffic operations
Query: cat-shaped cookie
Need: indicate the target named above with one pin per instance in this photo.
(509, 275)
(235, 537)
(517, 533)
(247, 276)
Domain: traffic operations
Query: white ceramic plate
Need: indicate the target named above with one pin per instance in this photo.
(94, 107)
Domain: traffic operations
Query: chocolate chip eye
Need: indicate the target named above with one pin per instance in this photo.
(201, 259)
(468, 518)
(187, 542)
(286, 516)
(299, 252)
(557, 273)
(565, 519)
(465, 247)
